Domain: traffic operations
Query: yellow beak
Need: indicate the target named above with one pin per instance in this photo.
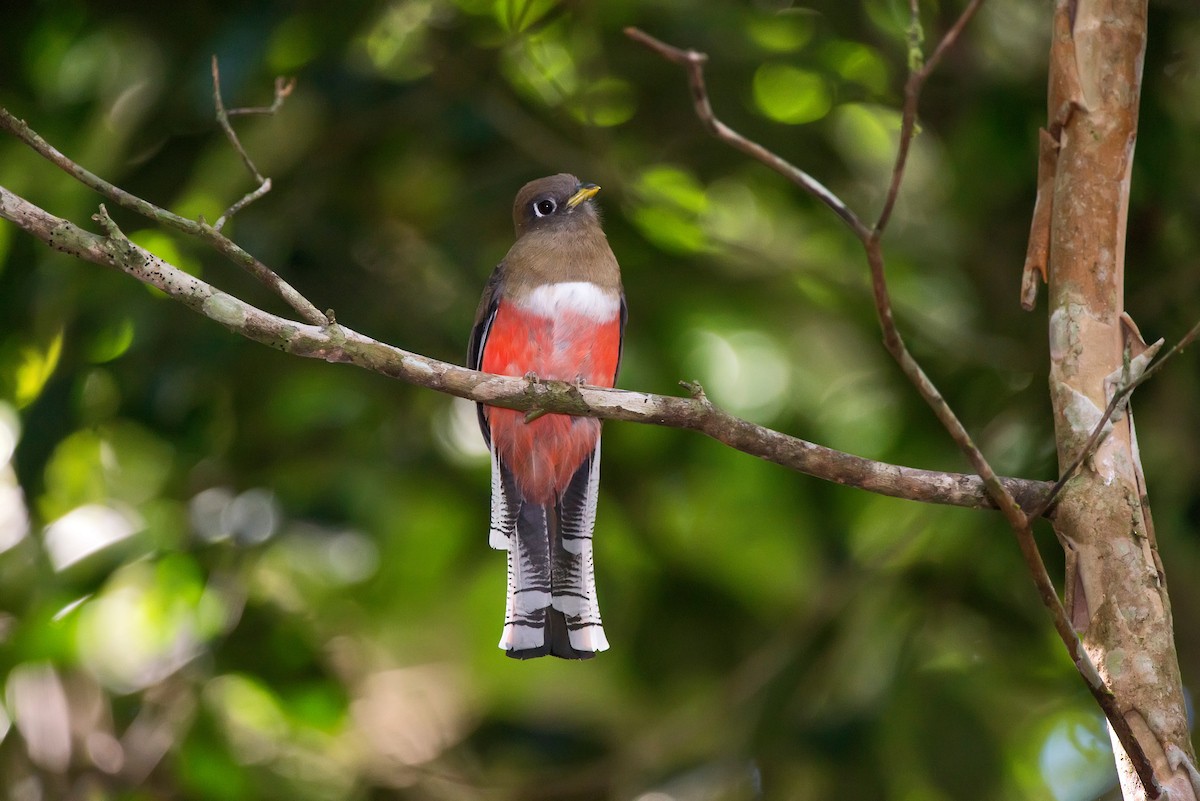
(584, 192)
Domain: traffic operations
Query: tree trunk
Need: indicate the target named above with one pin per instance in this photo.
(1116, 590)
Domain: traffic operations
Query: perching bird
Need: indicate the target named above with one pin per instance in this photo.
(553, 308)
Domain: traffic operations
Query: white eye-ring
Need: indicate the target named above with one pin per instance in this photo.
(544, 207)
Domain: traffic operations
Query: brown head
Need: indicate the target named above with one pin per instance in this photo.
(559, 237)
(559, 200)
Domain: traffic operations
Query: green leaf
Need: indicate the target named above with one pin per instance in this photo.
(791, 95)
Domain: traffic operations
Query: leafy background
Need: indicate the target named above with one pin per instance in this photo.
(232, 574)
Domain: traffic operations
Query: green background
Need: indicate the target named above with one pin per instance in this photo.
(298, 601)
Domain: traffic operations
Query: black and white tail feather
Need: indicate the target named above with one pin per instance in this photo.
(551, 607)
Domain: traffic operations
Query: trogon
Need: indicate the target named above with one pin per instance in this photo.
(553, 308)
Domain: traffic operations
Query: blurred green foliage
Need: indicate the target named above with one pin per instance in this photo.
(227, 573)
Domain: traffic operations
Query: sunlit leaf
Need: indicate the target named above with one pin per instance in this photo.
(99, 398)
(395, 42)
(604, 103)
(317, 705)
(791, 95)
(669, 228)
(668, 184)
(735, 215)
(889, 16)
(74, 475)
(542, 67)
(34, 368)
(196, 204)
(516, 16)
(111, 341)
(250, 714)
(743, 371)
(121, 461)
(142, 627)
(866, 134)
(782, 32)
(136, 462)
(670, 201)
(859, 64)
(293, 44)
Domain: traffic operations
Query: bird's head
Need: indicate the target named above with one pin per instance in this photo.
(553, 202)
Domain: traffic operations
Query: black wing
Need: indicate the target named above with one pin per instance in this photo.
(621, 346)
(484, 316)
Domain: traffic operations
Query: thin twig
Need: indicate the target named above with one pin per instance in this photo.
(950, 37)
(1098, 432)
(215, 239)
(1191, 336)
(246, 200)
(912, 92)
(283, 88)
(870, 239)
(223, 121)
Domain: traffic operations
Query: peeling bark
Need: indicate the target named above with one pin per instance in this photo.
(1116, 591)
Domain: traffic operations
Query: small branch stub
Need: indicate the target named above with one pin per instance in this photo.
(695, 390)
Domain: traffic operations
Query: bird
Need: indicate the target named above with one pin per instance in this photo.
(553, 308)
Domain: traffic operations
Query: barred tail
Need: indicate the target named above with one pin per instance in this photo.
(551, 608)
(574, 573)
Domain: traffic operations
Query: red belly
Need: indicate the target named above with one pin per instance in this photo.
(544, 454)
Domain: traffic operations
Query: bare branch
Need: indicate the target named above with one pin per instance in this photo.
(335, 343)
(283, 88)
(222, 244)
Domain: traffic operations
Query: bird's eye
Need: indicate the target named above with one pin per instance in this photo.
(544, 207)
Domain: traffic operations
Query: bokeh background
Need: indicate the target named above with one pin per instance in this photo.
(228, 573)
